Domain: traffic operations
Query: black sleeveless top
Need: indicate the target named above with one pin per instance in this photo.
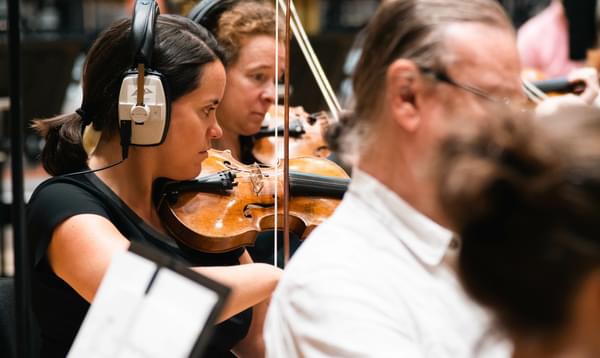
(59, 310)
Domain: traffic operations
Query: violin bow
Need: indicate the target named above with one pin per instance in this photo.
(286, 138)
(311, 58)
(533, 93)
(294, 25)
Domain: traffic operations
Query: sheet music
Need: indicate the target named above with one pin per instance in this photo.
(143, 313)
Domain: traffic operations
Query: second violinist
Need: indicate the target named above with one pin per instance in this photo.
(246, 30)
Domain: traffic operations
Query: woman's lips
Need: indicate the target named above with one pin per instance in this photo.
(258, 116)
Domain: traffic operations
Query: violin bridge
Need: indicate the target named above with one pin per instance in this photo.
(257, 179)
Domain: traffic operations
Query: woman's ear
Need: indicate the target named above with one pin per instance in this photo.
(402, 77)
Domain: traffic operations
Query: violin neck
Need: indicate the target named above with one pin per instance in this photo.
(296, 130)
(303, 184)
(217, 183)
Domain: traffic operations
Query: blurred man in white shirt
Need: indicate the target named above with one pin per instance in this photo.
(377, 279)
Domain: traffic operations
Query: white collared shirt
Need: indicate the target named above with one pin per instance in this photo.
(372, 282)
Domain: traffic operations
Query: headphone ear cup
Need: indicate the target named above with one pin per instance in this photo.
(143, 121)
(149, 128)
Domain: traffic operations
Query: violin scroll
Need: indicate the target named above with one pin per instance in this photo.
(307, 135)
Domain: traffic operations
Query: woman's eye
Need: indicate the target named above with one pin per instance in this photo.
(207, 111)
(259, 77)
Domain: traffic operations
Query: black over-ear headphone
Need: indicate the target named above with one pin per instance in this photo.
(208, 12)
(144, 101)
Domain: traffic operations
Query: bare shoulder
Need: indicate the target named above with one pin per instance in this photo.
(81, 249)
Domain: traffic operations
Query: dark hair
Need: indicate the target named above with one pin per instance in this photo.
(410, 29)
(181, 49)
(524, 197)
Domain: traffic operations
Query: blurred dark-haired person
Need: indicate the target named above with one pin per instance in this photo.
(524, 197)
(390, 289)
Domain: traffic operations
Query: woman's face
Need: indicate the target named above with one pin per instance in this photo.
(250, 89)
(193, 125)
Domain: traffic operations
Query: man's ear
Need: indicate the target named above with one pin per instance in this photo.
(402, 76)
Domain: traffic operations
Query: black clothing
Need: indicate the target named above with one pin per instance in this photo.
(262, 251)
(58, 308)
(246, 146)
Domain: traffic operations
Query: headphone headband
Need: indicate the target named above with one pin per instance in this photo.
(208, 12)
(145, 14)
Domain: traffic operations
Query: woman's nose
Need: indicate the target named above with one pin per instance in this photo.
(268, 93)
(215, 131)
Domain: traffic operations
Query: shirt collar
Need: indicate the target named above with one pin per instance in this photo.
(425, 238)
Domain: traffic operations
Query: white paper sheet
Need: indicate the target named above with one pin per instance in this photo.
(125, 321)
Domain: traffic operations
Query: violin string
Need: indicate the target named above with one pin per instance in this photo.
(532, 92)
(323, 182)
(319, 179)
(316, 181)
(297, 176)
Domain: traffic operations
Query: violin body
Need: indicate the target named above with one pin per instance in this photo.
(229, 214)
(306, 135)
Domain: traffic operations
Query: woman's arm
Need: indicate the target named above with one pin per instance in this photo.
(82, 248)
(253, 345)
(250, 283)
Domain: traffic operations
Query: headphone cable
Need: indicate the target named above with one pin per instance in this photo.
(125, 131)
(92, 170)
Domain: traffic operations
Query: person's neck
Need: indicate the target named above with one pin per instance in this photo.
(131, 180)
(229, 140)
(389, 164)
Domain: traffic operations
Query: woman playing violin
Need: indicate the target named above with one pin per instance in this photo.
(74, 241)
(246, 31)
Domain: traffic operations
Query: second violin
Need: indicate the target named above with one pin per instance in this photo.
(306, 135)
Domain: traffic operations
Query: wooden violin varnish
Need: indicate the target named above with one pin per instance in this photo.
(231, 202)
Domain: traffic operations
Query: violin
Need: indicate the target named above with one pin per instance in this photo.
(538, 87)
(230, 203)
(558, 86)
(306, 132)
